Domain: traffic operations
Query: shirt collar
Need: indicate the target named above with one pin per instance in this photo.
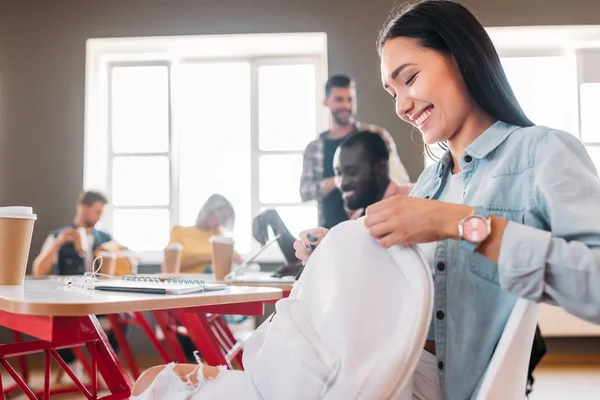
(487, 142)
(490, 139)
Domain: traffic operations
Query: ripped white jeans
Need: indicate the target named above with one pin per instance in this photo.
(229, 384)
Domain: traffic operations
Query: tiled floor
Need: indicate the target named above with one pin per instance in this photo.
(552, 383)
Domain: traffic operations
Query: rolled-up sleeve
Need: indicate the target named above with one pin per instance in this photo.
(561, 265)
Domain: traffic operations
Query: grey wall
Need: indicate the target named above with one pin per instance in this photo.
(42, 71)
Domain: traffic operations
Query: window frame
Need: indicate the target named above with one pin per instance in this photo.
(103, 55)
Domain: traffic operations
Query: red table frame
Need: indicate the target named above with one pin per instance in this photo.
(202, 336)
(59, 332)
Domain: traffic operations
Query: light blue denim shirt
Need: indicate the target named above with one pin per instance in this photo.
(544, 182)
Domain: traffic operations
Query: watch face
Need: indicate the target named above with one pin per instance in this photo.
(475, 230)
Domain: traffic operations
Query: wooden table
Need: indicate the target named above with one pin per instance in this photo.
(64, 317)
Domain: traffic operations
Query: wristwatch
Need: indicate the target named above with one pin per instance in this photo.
(474, 229)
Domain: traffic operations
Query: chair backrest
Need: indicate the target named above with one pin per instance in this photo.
(506, 375)
(353, 326)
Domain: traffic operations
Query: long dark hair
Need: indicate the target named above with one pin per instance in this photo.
(450, 28)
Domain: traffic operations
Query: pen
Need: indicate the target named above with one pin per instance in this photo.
(300, 272)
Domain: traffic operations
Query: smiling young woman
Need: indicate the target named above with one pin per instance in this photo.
(509, 211)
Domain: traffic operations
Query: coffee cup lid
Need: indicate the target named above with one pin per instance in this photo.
(21, 212)
(221, 239)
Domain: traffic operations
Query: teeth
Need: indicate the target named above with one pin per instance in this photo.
(423, 117)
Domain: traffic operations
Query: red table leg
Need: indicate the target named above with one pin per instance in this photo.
(143, 323)
(64, 332)
(48, 374)
(1, 390)
(168, 326)
(124, 345)
(22, 367)
(203, 338)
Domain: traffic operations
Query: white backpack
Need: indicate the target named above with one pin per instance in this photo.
(353, 328)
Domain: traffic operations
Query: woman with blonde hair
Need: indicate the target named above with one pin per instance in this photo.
(216, 217)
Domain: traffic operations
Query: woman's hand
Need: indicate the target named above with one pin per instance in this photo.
(403, 220)
(308, 241)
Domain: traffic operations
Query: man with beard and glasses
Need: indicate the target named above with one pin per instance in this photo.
(318, 181)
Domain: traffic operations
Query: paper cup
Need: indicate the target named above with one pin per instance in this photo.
(16, 229)
(172, 262)
(109, 263)
(222, 256)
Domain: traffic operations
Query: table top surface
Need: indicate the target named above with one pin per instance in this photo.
(50, 296)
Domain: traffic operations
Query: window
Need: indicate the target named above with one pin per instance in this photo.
(170, 121)
(553, 72)
(535, 82)
(589, 99)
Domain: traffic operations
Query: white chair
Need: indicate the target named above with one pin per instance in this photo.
(506, 376)
(353, 328)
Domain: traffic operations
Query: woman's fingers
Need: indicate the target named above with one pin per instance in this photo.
(301, 253)
(313, 237)
(381, 229)
(308, 241)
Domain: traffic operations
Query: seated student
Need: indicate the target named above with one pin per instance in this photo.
(60, 256)
(216, 214)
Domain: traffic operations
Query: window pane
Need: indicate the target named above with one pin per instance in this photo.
(286, 106)
(142, 230)
(140, 181)
(140, 109)
(589, 102)
(280, 178)
(537, 88)
(594, 152)
(213, 124)
(299, 218)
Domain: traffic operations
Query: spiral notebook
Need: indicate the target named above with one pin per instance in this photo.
(157, 285)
